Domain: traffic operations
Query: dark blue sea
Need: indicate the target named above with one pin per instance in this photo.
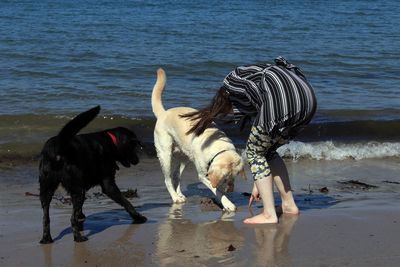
(59, 58)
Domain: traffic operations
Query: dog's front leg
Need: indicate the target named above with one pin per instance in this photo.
(226, 203)
(77, 199)
(112, 191)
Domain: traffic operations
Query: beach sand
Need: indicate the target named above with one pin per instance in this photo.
(347, 224)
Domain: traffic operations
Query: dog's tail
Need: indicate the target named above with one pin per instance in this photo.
(77, 123)
(156, 102)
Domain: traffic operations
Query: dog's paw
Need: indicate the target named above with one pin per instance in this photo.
(80, 238)
(46, 240)
(139, 219)
(227, 204)
(230, 207)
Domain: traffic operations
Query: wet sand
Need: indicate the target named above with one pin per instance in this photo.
(347, 224)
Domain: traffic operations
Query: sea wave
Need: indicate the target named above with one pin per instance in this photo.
(329, 150)
(22, 136)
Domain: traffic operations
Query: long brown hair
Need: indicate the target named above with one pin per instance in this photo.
(219, 107)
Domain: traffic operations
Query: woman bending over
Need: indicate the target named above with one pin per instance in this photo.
(280, 101)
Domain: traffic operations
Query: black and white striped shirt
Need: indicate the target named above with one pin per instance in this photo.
(277, 95)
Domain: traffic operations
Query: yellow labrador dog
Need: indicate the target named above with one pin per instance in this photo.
(212, 152)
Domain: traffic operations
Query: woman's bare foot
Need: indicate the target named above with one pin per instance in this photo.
(290, 209)
(261, 218)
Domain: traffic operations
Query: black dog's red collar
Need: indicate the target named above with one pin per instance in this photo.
(113, 138)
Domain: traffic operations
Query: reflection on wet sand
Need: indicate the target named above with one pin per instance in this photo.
(179, 240)
(47, 255)
(223, 242)
(182, 242)
(272, 242)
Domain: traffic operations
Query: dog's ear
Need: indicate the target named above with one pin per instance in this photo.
(128, 156)
(127, 145)
(213, 179)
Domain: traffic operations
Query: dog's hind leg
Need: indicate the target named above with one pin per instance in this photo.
(172, 170)
(178, 165)
(226, 203)
(164, 146)
(112, 191)
(48, 186)
(77, 199)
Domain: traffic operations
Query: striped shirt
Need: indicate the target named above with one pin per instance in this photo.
(277, 95)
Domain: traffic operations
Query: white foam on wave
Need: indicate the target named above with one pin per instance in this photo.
(330, 151)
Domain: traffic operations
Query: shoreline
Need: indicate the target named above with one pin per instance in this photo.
(339, 139)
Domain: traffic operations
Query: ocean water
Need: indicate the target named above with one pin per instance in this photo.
(59, 58)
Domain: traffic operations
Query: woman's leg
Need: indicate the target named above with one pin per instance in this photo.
(281, 179)
(265, 189)
(257, 145)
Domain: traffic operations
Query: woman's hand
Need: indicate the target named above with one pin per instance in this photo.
(254, 195)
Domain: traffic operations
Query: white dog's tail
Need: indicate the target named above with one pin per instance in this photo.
(156, 102)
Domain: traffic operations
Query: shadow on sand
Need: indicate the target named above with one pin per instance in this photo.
(98, 222)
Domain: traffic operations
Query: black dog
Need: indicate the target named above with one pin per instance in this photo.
(80, 162)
